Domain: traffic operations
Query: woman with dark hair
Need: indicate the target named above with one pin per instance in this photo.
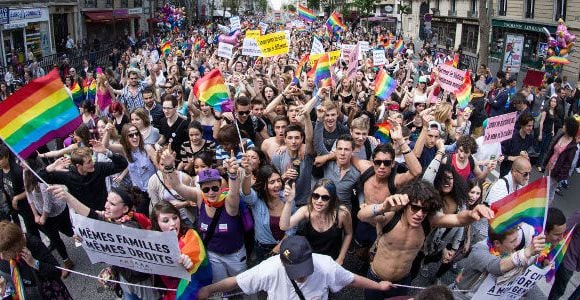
(328, 226)
(476, 231)
(119, 209)
(195, 144)
(257, 159)
(560, 155)
(140, 118)
(80, 139)
(51, 216)
(165, 217)
(26, 255)
(547, 128)
(89, 118)
(266, 199)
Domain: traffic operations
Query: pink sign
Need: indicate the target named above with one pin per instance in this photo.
(450, 78)
(500, 128)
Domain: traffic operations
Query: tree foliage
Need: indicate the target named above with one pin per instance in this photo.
(291, 8)
(313, 4)
(262, 5)
(366, 7)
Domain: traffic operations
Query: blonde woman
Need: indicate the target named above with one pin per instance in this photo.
(443, 115)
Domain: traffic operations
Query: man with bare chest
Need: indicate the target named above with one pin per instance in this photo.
(402, 222)
(271, 145)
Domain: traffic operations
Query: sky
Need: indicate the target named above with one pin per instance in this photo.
(276, 4)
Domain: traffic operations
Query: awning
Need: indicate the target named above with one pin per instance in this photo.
(106, 16)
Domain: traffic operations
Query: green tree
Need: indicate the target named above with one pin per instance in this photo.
(291, 8)
(233, 5)
(365, 7)
(403, 10)
(313, 4)
(262, 5)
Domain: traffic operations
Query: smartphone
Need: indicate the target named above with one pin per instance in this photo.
(492, 157)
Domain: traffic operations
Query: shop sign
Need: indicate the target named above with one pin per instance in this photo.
(522, 26)
(14, 26)
(120, 12)
(20, 17)
(4, 15)
(135, 11)
(445, 20)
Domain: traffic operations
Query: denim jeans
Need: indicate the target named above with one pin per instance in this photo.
(393, 292)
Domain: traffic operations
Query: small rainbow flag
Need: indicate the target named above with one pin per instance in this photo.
(19, 293)
(527, 205)
(90, 90)
(322, 68)
(211, 90)
(463, 94)
(305, 13)
(455, 62)
(199, 43)
(556, 255)
(201, 274)
(399, 46)
(77, 93)
(299, 68)
(334, 22)
(384, 85)
(166, 48)
(383, 133)
(37, 113)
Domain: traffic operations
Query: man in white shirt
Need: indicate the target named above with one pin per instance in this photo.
(295, 273)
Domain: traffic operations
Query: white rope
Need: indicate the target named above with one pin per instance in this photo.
(422, 288)
(115, 281)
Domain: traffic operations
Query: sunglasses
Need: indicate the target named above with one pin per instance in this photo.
(525, 174)
(316, 196)
(386, 162)
(416, 208)
(243, 113)
(214, 188)
(133, 134)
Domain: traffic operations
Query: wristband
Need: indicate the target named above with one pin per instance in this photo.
(440, 152)
(406, 152)
(233, 176)
(37, 264)
(109, 153)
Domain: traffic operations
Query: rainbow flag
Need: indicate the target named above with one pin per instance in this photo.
(383, 133)
(90, 90)
(312, 71)
(556, 255)
(19, 293)
(305, 13)
(299, 68)
(211, 90)
(166, 48)
(455, 62)
(399, 46)
(334, 22)
(322, 68)
(385, 85)
(201, 274)
(198, 44)
(77, 93)
(558, 60)
(37, 113)
(527, 205)
(463, 94)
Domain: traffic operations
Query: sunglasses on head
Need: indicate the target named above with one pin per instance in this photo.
(214, 188)
(386, 162)
(243, 113)
(316, 196)
(416, 208)
(133, 134)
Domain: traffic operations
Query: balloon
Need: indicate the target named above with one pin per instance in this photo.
(232, 40)
(572, 38)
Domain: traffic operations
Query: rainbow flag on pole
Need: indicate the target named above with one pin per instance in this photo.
(334, 22)
(399, 46)
(557, 253)
(77, 93)
(385, 85)
(37, 113)
(527, 205)
(463, 94)
(212, 90)
(201, 274)
(383, 133)
(322, 68)
(166, 48)
(455, 62)
(305, 13)
(300, 68)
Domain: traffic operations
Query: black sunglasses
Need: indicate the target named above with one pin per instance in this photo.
(525, 174)
(243, 113)
(386, 162)
(416, 208)
(214, 188)
(316, 196)
(133, 134)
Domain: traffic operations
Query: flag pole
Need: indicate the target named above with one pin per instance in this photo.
(547, 204)
(568, 236)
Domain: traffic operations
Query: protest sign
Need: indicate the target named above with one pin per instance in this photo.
(514, 47)
(235, 23)
(353, 63)
(225, 50)
(334, 56)
(450, 78)
(500, 128)
(250, 48)
(317, 47)
(273, 44)
(363, 48)
(379, 58)
(224, 29)
(253, 33)
(263, 27)
(513, 289)
(146, 251)
(346, 50)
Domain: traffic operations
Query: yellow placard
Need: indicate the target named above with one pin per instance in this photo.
(253, 33)
(273, 44)
(334, 55)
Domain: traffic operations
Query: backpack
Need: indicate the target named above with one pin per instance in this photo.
(390, 181)
(486, 187)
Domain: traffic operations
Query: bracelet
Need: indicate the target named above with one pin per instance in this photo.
(406, 152)
(440, 152)
(374, 209)
(233, 176)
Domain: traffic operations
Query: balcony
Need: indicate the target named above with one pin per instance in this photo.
(452, 13)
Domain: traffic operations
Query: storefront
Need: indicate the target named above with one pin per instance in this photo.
(26, 30)
(109, 24)
(443, 30)
(535, 40)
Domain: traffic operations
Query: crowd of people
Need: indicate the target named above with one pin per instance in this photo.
(284, 187)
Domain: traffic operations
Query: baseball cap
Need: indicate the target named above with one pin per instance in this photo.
(296, 256)
(434, 124)
(209, 175)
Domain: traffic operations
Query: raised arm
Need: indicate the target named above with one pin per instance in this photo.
(60, 192)
(234, 173)
(287, 219)
(170, 176)
(462, 218)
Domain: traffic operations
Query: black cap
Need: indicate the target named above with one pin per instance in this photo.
(296, 256)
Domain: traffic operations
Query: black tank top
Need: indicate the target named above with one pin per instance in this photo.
(328, 242)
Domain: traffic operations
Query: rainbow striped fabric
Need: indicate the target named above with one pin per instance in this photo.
(527, 205)
(385, 85)
(166, 48)
(322, 68)
(19, 293)
(90, 90)
(399, 46)
(305, 13)
(558, 60)
(198, 44)
(334, 22)
(463, 94)
(201, 274)
(211, 90)
(455, 62)
(77, 93)
(37, 113)
(383, 133)
(300, 68)
(556, 254)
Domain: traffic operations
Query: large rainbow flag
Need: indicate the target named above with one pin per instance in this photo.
(212, 90)
(384, 85)
(334, 22)
(527, 205)
(322, 68)
(305, 13)
(463, 94)
(201, 274)
(556, 254)
(37, 113)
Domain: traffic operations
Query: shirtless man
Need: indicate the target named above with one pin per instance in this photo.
(402, 222)
(271, 145)
(379, 180)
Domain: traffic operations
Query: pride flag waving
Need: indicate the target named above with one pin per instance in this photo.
(305, 13)
(527, 205)
(384, 85)
(335, 23)
(463, 94)
(37, 113)
(212, 90)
